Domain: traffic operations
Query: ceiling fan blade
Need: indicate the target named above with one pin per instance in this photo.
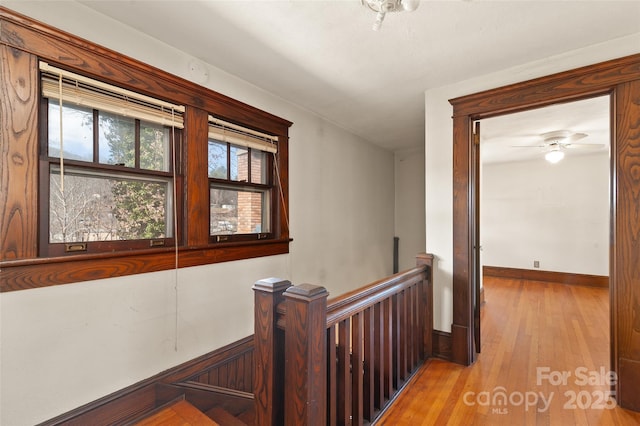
(527, 146)
(577, 136)
(584, 145)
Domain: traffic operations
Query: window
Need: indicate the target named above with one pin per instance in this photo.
(107, 178)
(241, 182)
(162, 155)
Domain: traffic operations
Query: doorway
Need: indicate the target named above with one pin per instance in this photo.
(545, 214)
(621, 79)
(542, 216)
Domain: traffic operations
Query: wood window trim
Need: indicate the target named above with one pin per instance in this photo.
(23, 42)
(43, 272)
(270, 188)
(48, 249)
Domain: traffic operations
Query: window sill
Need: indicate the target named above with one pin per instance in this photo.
(34, 273)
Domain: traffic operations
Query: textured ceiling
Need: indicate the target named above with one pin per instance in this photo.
(325, 57)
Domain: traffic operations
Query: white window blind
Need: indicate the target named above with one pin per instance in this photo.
(83, 91)
(224, 131)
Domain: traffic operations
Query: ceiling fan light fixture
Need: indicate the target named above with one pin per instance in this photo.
(381, 7)
(554, 156)
(556, 137)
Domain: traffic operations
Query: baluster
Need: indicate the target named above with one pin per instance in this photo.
(403, 335)
(344, 373)
(356, 369)
(388, 350)
(379, 355)
(417, 326)
(332, 377)
(395, 338)
(410, 328)
(368, 393)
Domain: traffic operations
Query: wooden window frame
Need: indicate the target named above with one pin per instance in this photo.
(23, 43)
(268, 187)
(51, 249)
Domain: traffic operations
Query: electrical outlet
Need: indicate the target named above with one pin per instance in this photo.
(536, 263)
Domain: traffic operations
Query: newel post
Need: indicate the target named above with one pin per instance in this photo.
(427, 302)
(306, 355)
(268, 355)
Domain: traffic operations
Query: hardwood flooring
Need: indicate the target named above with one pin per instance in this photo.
(544, 361)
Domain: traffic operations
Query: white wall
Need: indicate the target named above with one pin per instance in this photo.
(409, 206)
(557, 214)
(439, 153)
(68, 345)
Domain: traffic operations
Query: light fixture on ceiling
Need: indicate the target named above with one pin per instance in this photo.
(381, 7)
(555, 143)
(554, 156)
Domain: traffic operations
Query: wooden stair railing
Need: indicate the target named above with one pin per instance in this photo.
(340, 362)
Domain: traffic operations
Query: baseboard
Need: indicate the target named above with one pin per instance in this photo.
(230, 366)
(547, 276)
(442, 345)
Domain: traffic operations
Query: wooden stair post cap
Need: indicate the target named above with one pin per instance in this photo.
(306, 291)
(271, 285)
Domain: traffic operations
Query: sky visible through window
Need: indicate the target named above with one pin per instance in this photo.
(77, 132)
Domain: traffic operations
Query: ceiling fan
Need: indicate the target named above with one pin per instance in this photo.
(554, 143)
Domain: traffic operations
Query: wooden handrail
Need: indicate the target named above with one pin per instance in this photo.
(363, 292)
(346, 305)
(356, 301)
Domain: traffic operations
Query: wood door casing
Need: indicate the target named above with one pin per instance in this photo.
(619, 78)
(625, 261)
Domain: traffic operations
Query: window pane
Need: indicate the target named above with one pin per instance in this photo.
(258, 166)
(154, 147)
(77, 131)
(238, 211)
(239, 164)
(117, 139)
(217, 159)
(100, 207)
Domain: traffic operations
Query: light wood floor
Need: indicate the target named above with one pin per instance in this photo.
(528, 328)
